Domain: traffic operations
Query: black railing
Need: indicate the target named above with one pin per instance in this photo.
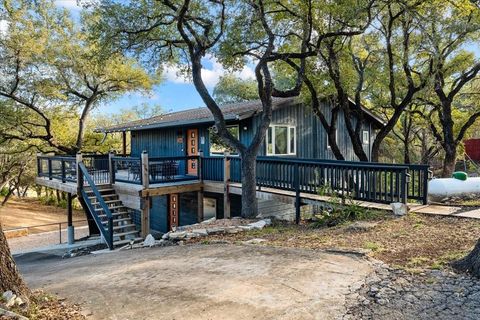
(212, 168)
(87, 181)
(127, 170)
(172, 169)
(59, 168)
(98, 168)
(373, 182)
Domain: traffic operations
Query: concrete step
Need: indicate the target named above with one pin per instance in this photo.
(127, 241)
(126, 233)
(123, 226)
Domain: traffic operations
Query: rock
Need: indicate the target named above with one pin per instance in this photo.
(200, 232)
(9, 298)
(246, 228)
(254, 241)
(177, 235)
(215, 230)
(399, 209)
(165, 236)
(209, 220)
(149, 241)
(191, 235)
(360, 226)
(19, 301)
(258, 225)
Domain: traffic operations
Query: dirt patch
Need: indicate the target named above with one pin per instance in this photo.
(203, 282)
(27, 212)
(413, 242)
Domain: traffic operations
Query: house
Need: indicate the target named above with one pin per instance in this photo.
(177, 172)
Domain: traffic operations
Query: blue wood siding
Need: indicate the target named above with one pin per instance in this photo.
(311, 136)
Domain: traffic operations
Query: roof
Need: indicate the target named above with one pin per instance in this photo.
(202, 115)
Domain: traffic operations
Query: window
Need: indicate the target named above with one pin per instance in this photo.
(336, 138)
(218, 146)
(365, 137)
(281, 140)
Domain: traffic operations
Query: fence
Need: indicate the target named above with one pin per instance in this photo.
(49, 228)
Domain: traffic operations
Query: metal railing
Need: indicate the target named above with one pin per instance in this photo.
(173, 169)
(44, 228)
(127, 170)
(87, 180)
(56, 167)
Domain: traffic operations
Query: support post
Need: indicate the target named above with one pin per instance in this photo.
(111, 169)
(124, 143)
(70, 227)
(200, 212)
(226, 186)
(145, 217)
(199, 165)
(145, 167)
(296, 182)
(79, 159)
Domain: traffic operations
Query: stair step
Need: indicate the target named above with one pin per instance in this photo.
(127, 241)
(123, 226)
(113, 214)
(107, 202)
(126, 233)
(118, 220)
(112, 191)
(111, 208)
(113, 195)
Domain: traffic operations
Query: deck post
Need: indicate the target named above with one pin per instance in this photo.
(70, 228)
(124, 143)
(145, 229)
(296, 184)
(226, 186)
(145, 216)
(79, 159)
(111, 168)
(200, 193)
(145, 167)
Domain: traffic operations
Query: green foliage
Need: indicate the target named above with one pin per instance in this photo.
(338, 211)
(231, 89)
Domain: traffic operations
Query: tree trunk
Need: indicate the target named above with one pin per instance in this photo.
(10, 278)
(7, 197)
(449, 161)
(249, 190)
(471, 263)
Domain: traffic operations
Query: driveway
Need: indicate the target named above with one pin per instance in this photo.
(202, 282)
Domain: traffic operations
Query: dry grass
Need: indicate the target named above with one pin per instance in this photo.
(413, 242)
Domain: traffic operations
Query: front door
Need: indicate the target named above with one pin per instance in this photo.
(192, 150)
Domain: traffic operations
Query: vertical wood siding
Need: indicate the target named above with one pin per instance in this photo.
(311, 136)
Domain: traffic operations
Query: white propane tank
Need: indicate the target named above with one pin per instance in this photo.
(439, 189)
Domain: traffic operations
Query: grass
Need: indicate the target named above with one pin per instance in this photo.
(414, 242)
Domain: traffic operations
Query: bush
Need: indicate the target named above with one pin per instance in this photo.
(337, 212)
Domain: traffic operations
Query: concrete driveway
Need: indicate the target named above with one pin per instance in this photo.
(202, 282)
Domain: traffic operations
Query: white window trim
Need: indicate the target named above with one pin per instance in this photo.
(289, 152)
(336, 138)
(221, 154)
(367, 140)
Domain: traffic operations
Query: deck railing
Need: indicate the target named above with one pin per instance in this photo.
(374, 182)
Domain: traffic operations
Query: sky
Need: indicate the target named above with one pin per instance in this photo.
(174, 93)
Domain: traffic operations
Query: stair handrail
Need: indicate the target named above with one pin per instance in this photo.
(107, 234)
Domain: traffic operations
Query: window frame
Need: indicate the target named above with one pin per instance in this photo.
(289, 136)
(221, 154)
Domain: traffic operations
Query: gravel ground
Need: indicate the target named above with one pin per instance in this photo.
(390, 294)
(41, 240)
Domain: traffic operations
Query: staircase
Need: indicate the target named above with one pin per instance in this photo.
(124, 230)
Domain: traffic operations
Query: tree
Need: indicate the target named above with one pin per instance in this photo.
(48, 63)
(451, 104)
(230, 89)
